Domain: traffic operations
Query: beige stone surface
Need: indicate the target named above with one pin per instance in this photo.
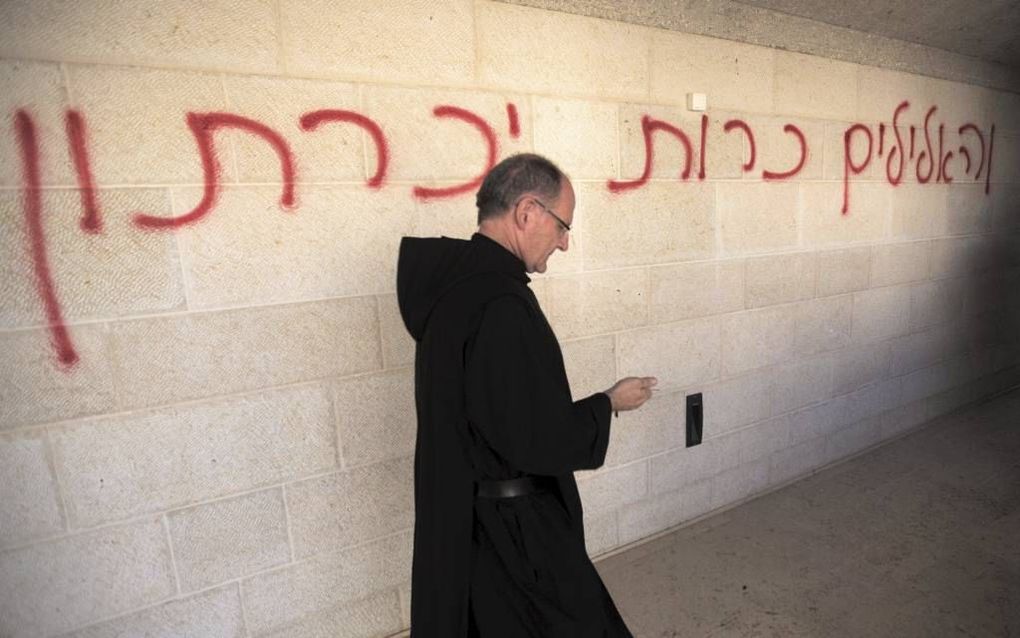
(823, 324)
(919, 211)
(657, 513)
(397, 344)
(52, 587)
(969, 210)
(873, 399)
(936, 302)
(610, 488)
(733, 75)
(866, 219)
(802, 383)
(842, 271)
(757, 338)
(375, 615)
(375, 415)
(136, 119)
(226, 539)
(859, 365)
(778, 151)
(276, 599)
(900, 263)
(814, 422)
(757, 217)
(38, 89)
(346, 508)
(36, 388)
(661, 222)
(739, 482)
(590, 364)
(814, 86)
(28, 490)
(677, 469)
(679, 355)
(833, 149)
(1006, 158)
(655, 428)
(216, 611)
(600, 533)
(761, 440)
(882, 90)
(545, 52)
(418, 42)
(960, 256)
(780, 278)
(918, 350)
(205, 354)
(735, 402)
(580, 136)
(145, 33)
(1006, 207)
(853, 438)
(796, 460)
(122, 466)
(687, 291)
(880, 313)
(596, 303)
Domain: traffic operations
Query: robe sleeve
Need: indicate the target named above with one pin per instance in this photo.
(516, 398)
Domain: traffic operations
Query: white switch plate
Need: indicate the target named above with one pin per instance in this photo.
(697, 101)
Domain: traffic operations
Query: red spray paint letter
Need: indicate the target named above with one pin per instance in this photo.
(898, 149)
(515, 122)
(848, 162)
(91, 222)
(202, 126)
(926, 154)
(790, 128)
(742, 125)
(649, 126)
(963, 151)
(29, 145)
(701, 158)
(422, 192)
(311, 121)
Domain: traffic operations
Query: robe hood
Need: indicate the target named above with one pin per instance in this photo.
(427, 268)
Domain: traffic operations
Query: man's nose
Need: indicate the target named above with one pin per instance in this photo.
(564, 241)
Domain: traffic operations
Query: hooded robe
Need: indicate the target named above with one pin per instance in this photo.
(493, 403)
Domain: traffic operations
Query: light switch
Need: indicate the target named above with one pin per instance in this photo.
(697, 101)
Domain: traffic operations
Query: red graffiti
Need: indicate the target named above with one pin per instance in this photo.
(423, 192)
(926, 154)
(91, 222)
(202, 126)
(649, 126)
(991, 146)
(904, 105)
(848, 164)
(515, 122)
(881, 138)
(790, 128)
(742, 125)
(29, 145)
(311, 121)
(981, 138)
(701, 158)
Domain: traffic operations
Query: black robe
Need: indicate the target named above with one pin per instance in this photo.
(493, 402)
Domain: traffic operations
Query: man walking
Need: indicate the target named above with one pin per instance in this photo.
(499, 538)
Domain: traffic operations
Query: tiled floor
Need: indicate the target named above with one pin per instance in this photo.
(920, 537)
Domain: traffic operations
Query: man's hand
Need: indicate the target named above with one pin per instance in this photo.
(630, 393)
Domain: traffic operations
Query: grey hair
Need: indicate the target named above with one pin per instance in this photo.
(515, 176)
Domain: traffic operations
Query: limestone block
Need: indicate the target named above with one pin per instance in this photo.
(796, 461)
(853, 438)
(658, 513)
(734, 75)
(597, 303)
(679, 355)
(397, 344)
(918, 350)
(59, 585)
(691, 290)
(866, 219)
(346, 508)
(28, 490)
(1004, 110)
(882, 90)
(958, 103)
(680, 468)
(216, 611)
(757, 338)
(229, 538)
(928, 381)
(1006, 159)
(38, 89)
(386, 41)
(279, 598)
(342, 241)
(136, 122)
(376, 615)
(833, 149)
(145, 33)
(36, 388)
(205, 354)
(959, 256)
(900, 263)
(150, 461)
(779, 151)
(657, 427)
(763, 439)
(903, 418)
(814, 422)
(550, 52)
(780, 278)
(757, 216)
(95, 276)
(801, 383)
(612, 488)
(332, 152)
(739, 483)
(724, 152)
(736, 402)
(814, 86)
(600, 533)
(873, 399)
(580, 136)
(458, 217)
(590, 364)
(935, 302)
(919, 211)
(860, 365)
(376, 416)
(880, 313)
(842, 271)
(1006, 207)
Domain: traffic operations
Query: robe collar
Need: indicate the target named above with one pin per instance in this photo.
(499, 258)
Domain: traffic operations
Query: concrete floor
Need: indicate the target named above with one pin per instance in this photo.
(920, 537)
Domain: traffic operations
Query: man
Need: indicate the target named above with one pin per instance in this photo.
(498, 539)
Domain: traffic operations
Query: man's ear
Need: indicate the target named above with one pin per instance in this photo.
(521, 212)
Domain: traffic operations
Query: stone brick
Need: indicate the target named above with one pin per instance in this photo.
(376, 615)
(958, 103)
(95, 276)
(834, 152)
(919, 211)
(580, 136)
(36, 388)
(591, 365)
(795, 461)
(60, 585)
(213, 612)
(958, 256)
(814, 86)
(882, 90)
(596, 303)
(859, 365)
(900, 263)
(376, 416)
(144, 33)
(682, 467)
(935, 302)
(550, 52)
(739, 483)
(903, 418)
(873, 399)
(780, 278)
(342, 242)
(814, 422)
(28, 490)
(779, 151)
(1004, 109)
(205, 354)
(757, 217)
(757, 338)
(397, 345)
(724, 152)
(144, 462)
(1006, 159)
(842, 271)
(279, 598)
(734, 403)
(600, 533)
(969, 210)
(658, 426)
(866, 220)
(881, 313)
(853, 438)
(680, 355)
(661, 222)
(733, 74)
(687, 291)
(346, 508)
(801, 383)
(918, 350)
(39, 90)
(136, 120)
(763, 439)
(659, 513)
(609, 489)
(222, 540)
(384, 41)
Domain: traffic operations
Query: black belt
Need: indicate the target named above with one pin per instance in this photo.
(515, 487)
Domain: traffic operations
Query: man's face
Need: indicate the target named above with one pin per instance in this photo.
(546, 233)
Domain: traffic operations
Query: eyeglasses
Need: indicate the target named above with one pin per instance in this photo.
(564, 226)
